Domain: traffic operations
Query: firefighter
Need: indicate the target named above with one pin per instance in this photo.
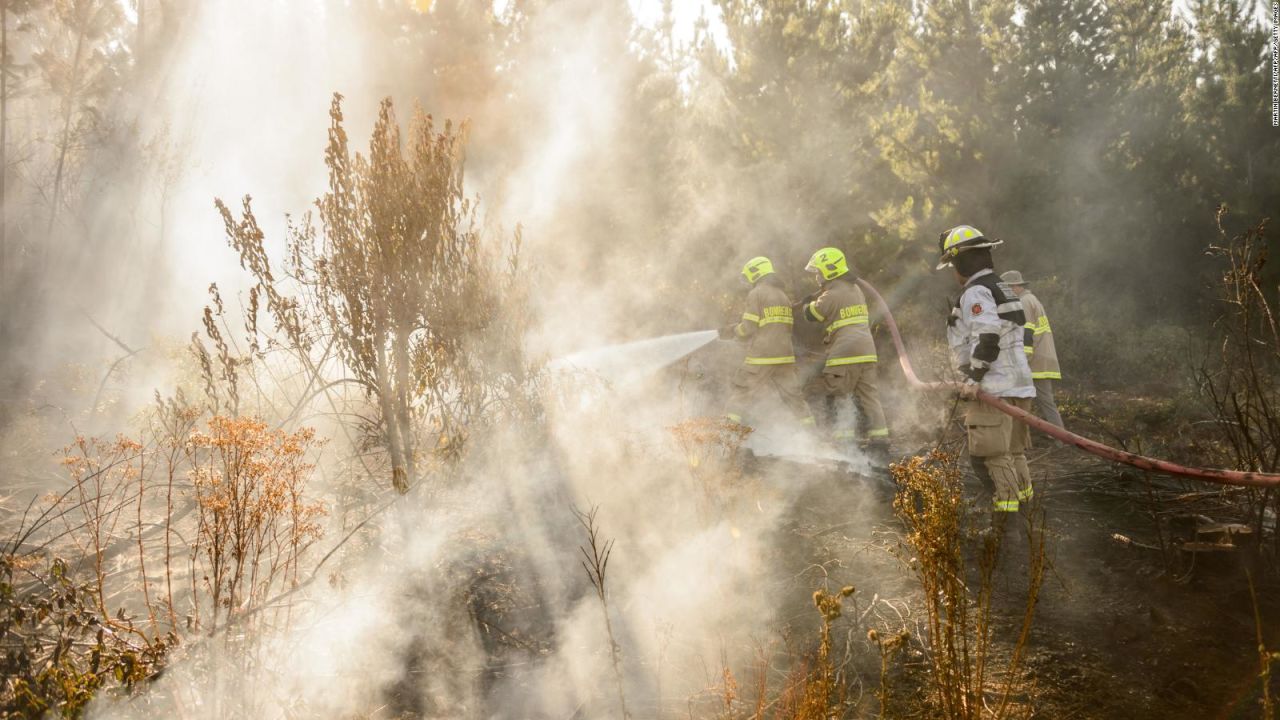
(770, 360)
(849, 370)
(1041, 354)
(986, 335)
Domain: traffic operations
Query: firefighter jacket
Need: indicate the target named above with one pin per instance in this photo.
(987, 334)
(1041, 354)
(766, 324)
(842, 308)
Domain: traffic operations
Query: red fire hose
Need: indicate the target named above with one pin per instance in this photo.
(1224, 477)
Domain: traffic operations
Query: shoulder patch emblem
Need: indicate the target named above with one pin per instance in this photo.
(976, 309)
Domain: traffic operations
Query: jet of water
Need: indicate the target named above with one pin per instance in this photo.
(621, 363)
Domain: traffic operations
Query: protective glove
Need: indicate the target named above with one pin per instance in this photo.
(973, 374)
(726, 332)
(803, 303)
(969, 390)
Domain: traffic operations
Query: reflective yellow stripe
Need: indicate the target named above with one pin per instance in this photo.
(771, 360)
(776, 314)
(1026, 494)
(1006, 506)
(844, 434)
(852, 360)
(849, 315)
(737, 330)
(1043, 326)
(751, 317)
(813, 309)
(878, 432)
(1028, 350)
(1046, 375)
(733, 418)
(845, 323)
(809, 421)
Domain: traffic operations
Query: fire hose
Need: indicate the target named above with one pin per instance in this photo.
(1223, 477)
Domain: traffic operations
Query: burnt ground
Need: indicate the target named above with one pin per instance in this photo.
(1126, 629)
(1123, 628)
(1128, 625)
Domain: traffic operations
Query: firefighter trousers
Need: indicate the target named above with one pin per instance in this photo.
(845, 384)
(1046, 406)
(998, 452)
(750, 381)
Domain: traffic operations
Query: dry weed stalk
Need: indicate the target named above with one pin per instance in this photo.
(813, 691)
(102, 475)
(728, 687)
(1242, 384)
(595, 562)
(930, 503)
(888, 647)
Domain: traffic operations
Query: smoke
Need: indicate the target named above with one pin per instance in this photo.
(400, 613)
(691, 585)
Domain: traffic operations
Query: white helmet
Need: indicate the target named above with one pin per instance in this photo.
(960, 238)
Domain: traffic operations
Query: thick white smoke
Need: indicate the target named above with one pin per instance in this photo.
(690, 583)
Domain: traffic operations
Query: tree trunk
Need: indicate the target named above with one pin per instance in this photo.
(391, 419)
(68, 108)
(142, 36)
(4, 167)
(400, 348)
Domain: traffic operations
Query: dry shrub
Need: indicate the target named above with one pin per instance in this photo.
(712, 447)
(253, 522)
(107, 477)
(189, 529)
(181, 531)
(930, 503)
(1242, 383)
(397, 280)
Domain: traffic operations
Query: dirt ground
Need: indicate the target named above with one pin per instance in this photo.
(1122, 629)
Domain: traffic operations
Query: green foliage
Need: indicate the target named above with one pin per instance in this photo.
(1094, 138)
(55, 650)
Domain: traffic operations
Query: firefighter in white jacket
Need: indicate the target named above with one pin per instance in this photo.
(986, 333)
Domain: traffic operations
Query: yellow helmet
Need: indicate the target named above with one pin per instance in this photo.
(960, 238)
(828, 261)
(756, 268)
